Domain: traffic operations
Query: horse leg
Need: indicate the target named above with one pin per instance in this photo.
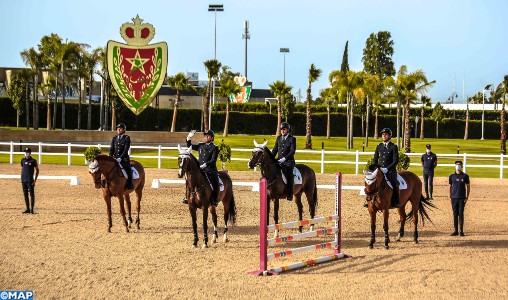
(139, 194)
(127, 200)
(402, 220)
(386, 213)
(276, 216)
(194, 226)
(122, 212)
(226, 218)
(312, 206)
(372, 229)
(215, 236)
(299, 205)
(205, 228)
(415, 220)
(107, 199)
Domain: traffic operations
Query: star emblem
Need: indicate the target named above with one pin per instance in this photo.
(137, 63)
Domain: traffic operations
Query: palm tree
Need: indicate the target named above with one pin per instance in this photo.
(279, 89)
(314, 74)
(49, 47)
(409, 85)
(46, 87)
(502, 117)
(105, 81)
(373, 87)
(212, 67)
(33, 59)
(329, 97)
(16, 90)
(67, 55)
(437, 115)
(228, 87)
(179, 83)
(466, 129)
(91, 62)
(26, 75)
(426, 102)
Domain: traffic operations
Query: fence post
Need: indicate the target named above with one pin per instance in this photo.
(11, 152)
(464, 161)
(357, 161)
(338, 222)
(501, 165)
(68, 154)
(322, 157)
(40, 152)
(159, 159)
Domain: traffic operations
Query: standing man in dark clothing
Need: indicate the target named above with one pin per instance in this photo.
(28, 165)
(208, 153)
(429, 163)
(285, 148)
(119, 150)
(459, 193)
(386, 158)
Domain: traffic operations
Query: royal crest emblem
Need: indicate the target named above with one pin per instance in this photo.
(137, 70)
(244, 95)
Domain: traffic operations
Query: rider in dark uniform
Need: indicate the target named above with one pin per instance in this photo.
(285, 148)
(386, 158)
(119, 149)
(429, 163)
(28, 165)
(208, 153)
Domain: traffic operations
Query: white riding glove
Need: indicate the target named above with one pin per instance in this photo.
(384, 170)
(191, 134)
(202, 166)
(282, 160)
(118, 159)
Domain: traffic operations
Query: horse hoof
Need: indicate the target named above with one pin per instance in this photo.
(398, 238)
(371, 246)
(387, 247)
(204, 246)
(126, 229)
(214, 239)
(416, 241)
(137, 227)
(194, 246)
(226, 239)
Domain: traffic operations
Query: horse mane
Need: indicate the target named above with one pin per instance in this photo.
(194, 159)
(270, 155)
(103, 157)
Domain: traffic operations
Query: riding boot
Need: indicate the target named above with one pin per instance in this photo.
(214, 200)
(27, 211)
(461, 225)
(129, 184)
(289, 187)
(396, 197)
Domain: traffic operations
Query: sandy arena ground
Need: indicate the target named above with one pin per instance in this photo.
(64, 251)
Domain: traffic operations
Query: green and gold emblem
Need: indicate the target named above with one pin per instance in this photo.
(244, 95)
(137, 70)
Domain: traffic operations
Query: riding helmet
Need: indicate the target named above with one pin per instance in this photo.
(209, 132)
(387, 130)
(285, 125)
(121, 125)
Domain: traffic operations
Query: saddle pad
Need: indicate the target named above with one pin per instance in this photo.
(135, 174)
(221, 184)
(402, 182)
(297, 176)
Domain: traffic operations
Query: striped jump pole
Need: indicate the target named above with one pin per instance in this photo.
(264, 242)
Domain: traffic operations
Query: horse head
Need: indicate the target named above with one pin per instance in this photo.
(257, 154)
(185, 158)
(95, 171)
(373, 180)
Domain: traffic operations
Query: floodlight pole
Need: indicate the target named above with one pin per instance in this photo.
(487, 87)
(284, 51)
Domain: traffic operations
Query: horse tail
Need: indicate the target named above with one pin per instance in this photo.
(424, 205)
(315, 193)
(232, 210)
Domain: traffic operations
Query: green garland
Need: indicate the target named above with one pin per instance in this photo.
(92, 152)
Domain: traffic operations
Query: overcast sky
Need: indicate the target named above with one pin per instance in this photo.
(464, 39)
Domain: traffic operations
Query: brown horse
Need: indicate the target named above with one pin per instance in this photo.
(379, 196)
(199, 193)
(271, 170)
(107, 176)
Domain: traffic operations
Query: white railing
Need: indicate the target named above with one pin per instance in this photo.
(38, 149)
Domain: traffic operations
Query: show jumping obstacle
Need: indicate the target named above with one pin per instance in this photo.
(264, 242)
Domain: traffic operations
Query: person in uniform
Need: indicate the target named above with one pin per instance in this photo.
(459, 193)
(386, 158)
(119, 150)
(28, 165)
(285, 148)
(429, 163)
(208, 153)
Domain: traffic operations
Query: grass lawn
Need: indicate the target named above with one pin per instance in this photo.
(439, 146)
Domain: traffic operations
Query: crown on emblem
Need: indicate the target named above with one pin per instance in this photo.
(137, 33)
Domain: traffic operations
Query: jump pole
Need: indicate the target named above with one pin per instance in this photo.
(263, 242)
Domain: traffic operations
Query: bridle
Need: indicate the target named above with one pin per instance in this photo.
(377, 185)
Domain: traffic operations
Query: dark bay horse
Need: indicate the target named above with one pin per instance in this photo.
(379, 196)
(200, 193)
(271, 170)
(107, 176)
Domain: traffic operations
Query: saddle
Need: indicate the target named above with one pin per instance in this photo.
(135, 174)
(297, 176)
(221, 184)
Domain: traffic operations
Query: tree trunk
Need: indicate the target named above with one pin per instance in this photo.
(226, 123)
(27, 108)
(63, 97)
(48, 115)
(36, 101)
(437, 129)
(328, 122)
(367, 124)
(207, 105)
(466, 130)
(308, 125)
(422, 126)
(351, 133)
(503, 129)
(175, 110)
(398, 122)
(89, 117)
(376, 126)
(407, 129)
(279, 117)
(81, 96)
(55, 105)
(17, 118)
(113, 117)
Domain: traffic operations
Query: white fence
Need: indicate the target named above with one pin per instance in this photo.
(347, 157)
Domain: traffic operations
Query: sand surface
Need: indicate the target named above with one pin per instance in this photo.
(64, 252)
